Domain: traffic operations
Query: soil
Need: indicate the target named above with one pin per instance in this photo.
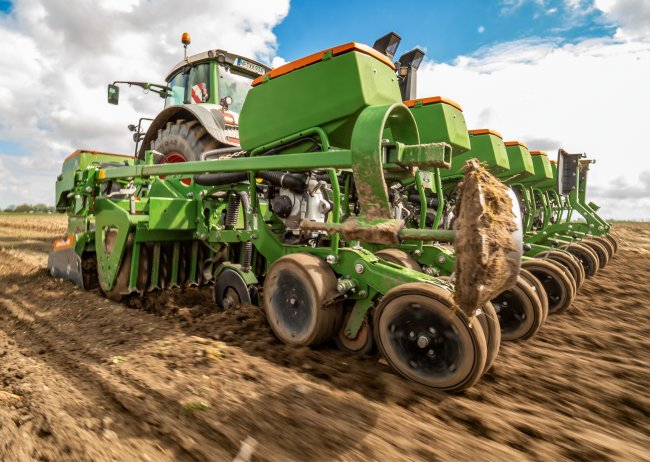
(84, 378)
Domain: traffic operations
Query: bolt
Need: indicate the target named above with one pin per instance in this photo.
(331, 259)
(363, 293)
(423, 341)
(591, 225)
(89, 189)
(358, 268)
(417, 252)
(433, 330)
(292, 301)
(441, 259)
(253, 236)
(411, 335)
(190, 195)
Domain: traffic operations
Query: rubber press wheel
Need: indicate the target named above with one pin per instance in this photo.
(424, 339)
(362, 345)
(295, 290)
(598, 248)
(613, 241)
(520, 311)
(586, 256)
(537, 287)
(607, 245)
(568, 261)
(556, 282)
(230, 290)
(492, 330)
(399, 257)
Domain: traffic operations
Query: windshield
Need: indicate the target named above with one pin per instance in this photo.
(177, 94)
(234, 85)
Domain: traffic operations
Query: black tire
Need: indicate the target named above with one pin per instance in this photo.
(537, 287)
(586, 256)
(458, 346)
(520, 311)
(599, 250)
(296, 288)
(556, 282)
(492, 330)
(568, 261)
(612, 241)
(607, 244)
(188, 138)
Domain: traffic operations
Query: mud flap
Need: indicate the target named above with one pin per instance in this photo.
(66, 264)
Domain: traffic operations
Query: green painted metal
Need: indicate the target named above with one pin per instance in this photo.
(488, 148)
(444, 123)
(330, 94)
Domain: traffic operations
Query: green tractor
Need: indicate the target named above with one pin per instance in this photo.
(281, 216)
(204, 94)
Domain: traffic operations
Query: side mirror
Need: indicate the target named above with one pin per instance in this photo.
(113, 94)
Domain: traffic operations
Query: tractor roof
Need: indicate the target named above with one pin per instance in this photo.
(242, 64)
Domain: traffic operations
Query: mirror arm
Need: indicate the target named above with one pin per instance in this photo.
(161, 90)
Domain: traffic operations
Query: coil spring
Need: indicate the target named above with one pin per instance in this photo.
(247, 257)
(232, 211)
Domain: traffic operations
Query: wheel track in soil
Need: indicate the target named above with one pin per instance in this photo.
(120, 390)
(34, 332)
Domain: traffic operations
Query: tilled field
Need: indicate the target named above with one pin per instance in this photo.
(82, 378)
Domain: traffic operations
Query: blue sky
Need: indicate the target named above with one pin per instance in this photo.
(444, 28)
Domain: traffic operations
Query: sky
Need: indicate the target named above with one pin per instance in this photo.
(564, 73)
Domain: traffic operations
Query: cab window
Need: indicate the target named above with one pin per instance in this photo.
(198, 84)
(234, 85)
(177, 92)
(189, 86)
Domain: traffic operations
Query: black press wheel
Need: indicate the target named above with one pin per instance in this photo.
(520, 311)
(537, 287)
(607, 245)
(612, 241)
(423, 338)
(489, 320)
(586, 256)
(296, 289)
(568, 261)
(556, 282)
(598, 249)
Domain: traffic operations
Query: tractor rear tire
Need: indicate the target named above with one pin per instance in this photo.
(182, 141)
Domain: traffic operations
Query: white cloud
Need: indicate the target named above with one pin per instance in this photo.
(587, 97)
(481, 29)
(57, 56)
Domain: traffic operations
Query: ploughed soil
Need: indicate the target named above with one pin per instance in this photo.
(83, 378)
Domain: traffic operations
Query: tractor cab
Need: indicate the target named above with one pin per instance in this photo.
(204, 94)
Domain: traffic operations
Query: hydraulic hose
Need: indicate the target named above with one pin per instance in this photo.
(293, 181)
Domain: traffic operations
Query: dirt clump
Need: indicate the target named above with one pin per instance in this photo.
(487, 254)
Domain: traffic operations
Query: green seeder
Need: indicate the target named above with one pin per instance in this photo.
(325, 143)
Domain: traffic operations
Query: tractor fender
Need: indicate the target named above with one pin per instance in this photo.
(208, 115)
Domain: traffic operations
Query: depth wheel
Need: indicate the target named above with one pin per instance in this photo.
(520, 311)
(424, 339)
(230, 290)
(362, 345)
(537, 287)
(556, 282)
(612, 241)
(296, 289)
(399, 257)
(598, 249)
(586, 256)
(492, 330)
(568, 261)
(607, 245)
